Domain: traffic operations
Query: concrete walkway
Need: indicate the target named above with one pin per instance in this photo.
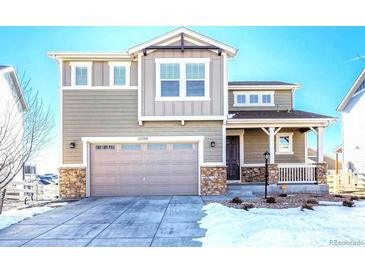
(113, 221)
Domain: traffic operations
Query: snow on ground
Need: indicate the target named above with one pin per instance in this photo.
(13, 216)
(261, 227)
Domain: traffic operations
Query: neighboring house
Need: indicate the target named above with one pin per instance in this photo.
(12, 106)
(332, 163)
(162, 118)
(352, 109)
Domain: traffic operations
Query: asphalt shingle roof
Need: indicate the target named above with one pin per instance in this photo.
(259, 83)
(293, 114)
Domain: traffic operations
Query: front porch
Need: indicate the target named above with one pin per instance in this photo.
(286, 141)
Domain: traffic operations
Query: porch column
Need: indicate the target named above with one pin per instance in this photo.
(272, 144)
(320, 145)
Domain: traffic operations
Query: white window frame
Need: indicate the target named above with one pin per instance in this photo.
(284, 134)
(74, 65)
(182, 81)
(248, 104)
(127, 66)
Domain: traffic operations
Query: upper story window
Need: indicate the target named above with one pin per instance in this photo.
(81, 73)
(243, 98)
(119, 73)
(170, 80)
(182, 79)
(284, 143)
(195, 79)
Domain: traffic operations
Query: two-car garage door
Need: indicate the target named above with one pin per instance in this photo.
(144, 169)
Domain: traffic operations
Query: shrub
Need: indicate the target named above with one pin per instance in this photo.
(312, 201)
(271, 200)
(306, 206)
(338, 195)
(283, 195)
(236, 200)
(354, 198)
(247, 206)
(348, 203)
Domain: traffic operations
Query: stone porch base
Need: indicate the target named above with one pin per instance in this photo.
(257, 174)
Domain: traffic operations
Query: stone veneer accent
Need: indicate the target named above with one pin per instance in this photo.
(213, 180)
(256, 174)
(321, 173)
(72, 182)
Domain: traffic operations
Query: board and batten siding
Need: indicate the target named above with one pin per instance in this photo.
(215, 106)
(354, 134)
(256, 142)
(100, 73)
(283, 100)
(113, 113)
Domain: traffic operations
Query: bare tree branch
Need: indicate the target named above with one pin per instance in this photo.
(23, 134)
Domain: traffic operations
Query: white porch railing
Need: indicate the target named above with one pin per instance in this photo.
(304, 173)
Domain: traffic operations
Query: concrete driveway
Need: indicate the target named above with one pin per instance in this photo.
(113, 221)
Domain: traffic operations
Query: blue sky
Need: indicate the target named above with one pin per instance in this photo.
(318, 58)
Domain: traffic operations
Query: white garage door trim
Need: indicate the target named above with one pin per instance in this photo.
(86, 141)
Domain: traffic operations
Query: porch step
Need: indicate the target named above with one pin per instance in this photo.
(240, 193)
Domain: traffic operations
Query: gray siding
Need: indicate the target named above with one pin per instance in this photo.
(113, 113)
(282, 100)
(100, 73)
(256, 142)
(180, 108)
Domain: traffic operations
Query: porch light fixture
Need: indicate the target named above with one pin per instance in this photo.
(212, 144)
(267, 157)
(72, 145)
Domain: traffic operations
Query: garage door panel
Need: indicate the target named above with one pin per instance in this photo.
(144, 169)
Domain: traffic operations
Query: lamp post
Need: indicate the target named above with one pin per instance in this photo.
(267, 157)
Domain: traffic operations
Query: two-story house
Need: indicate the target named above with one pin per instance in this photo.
(162, 119)
(352, 109)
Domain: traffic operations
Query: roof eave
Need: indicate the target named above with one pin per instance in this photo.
(276, 87)
(351, 91)
(88, 55)
(231, 51)
(18, 86)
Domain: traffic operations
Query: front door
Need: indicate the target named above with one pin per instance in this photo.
(233, 157)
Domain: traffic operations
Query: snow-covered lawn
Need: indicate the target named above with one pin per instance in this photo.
(282, 227)
(13, 216)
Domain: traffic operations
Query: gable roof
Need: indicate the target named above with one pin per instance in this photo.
(19, 91)
(230, 50)
(355, 88)
(259, 83)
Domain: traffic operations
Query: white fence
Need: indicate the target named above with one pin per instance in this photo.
(31, 190)
(346, 182)
(297, 173)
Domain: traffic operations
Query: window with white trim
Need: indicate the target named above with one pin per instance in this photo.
(284, 143)
(182, 79)
(244, 98)
(119, 73)
(170, 80)
(195, 79)
(81, 73)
